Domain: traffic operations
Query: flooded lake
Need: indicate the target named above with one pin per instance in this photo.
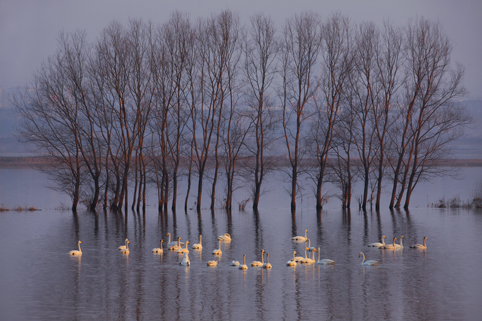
(40, 281)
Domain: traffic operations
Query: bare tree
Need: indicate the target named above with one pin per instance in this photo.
(299, 51)
(260, 68)
(336, 65)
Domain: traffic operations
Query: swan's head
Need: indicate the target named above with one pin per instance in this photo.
(227, 234)
(315, 250)
(262, 251)
(294, 252)
(307, 248)
(187, 242)
(361, 253)
(384, 237)
(127, 242)
(80, 242)
(162, 241)
(179, 238)
(168, 234)
(402, 237)
(424, 237)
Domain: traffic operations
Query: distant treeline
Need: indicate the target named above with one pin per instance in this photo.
(146, 105)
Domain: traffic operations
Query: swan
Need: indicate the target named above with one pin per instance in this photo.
(300, 238)
(225, 237)
(267, 265)
(308, 260)
(378, 244)
(218, 251)
(183, 250)
(420, 246)
(235, 263)
(244, 266)
(76, 252)
(298, 259)
(212, 263)
(400, 246)
(324, 261)
(258, 263)
(389, 246)
(126, 250)
(185, 260)
(177, 246)
(123, 247)
(369, 262)
(169, 243)
(198, 246)
(158, 249)
(293, 261)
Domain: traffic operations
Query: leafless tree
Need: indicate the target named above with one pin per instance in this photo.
(260, 68)
(299, 50)
(336, 66)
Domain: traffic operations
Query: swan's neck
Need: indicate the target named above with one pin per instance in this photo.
(401, 241)
(200, 239)
(363, 257)
(244, 260)
(306, 232)
(383, 240)
(79, 248)
(294, 256)
(424, 240)
(262, 256)
(220, 245)
(305, 254)
(169, 234)
(267, 258)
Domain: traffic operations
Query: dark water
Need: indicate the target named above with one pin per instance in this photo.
(40, 281)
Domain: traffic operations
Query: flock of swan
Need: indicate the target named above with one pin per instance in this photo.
(182, 248)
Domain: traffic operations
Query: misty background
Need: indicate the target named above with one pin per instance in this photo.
(29, 31)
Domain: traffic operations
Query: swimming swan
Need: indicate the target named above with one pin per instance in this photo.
(185, 260)
(158, 249)
(218, 251)
(267, 265)
(369, 262)
(244, 266)
(126, 250)
(123, 247)
(308, 260)
(324, 261)
(225, 237)
(258, 263)
(310, 248)
(76, 252)
(235, 263)
(293, 261)
(300, 238)
(389, 246)
(420, 246)
(400, 246)
(177, 246)
(198, 246)
(212, 263)
(378, 244)
(183, 250)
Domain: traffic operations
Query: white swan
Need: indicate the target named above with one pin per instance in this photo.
(158, 249)
(258, 263)
(267, 265)
(300, 238)
(76, 252)
(126, 250)
(420, 246)
(218, 251)
(378, 244)
(177, 246)
(298, 259)
(123, 247)
(235, 263)
(225, 237)
(198, 246)
(244, 266)
(400, 246)
(308, 260)
(183, 250)
(324, 261)
(369, 262)
(212, 263)
(389, 246)
(185, 260)
(169, 243)
(293, 261)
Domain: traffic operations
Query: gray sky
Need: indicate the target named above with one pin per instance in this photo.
(28, 29)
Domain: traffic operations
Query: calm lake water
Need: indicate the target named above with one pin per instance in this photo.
(40, 281)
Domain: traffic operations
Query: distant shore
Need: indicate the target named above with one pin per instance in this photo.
(39, 161)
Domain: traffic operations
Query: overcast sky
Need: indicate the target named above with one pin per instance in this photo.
(28, 29)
